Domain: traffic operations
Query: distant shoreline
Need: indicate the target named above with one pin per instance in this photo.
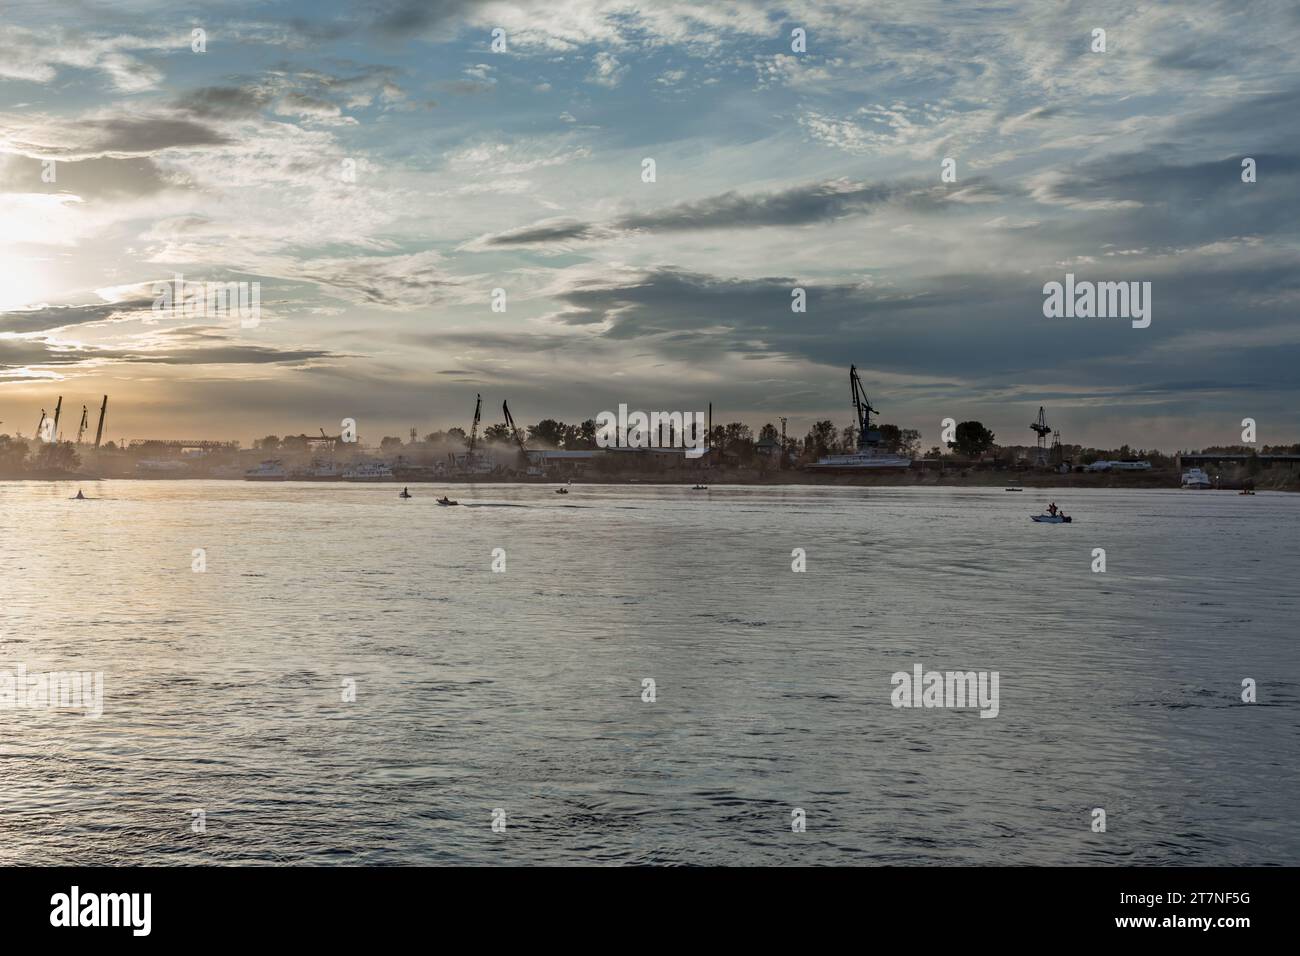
(950, 479)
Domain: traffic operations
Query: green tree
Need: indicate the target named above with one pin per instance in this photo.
(972, 439)
(820, 438)
(59, 456)
(548, 432)
(13, 453)
(389, 443)
(586, 435)
(738, 438)
(269, 443)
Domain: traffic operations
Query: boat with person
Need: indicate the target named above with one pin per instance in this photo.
(405, 494)
(445, 501)
(1053, 515)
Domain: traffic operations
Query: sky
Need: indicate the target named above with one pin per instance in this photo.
(380, 169)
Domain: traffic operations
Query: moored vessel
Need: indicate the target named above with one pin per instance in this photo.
(269, 470)
(871, 455)
(368, 471)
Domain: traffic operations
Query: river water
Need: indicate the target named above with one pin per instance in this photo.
(519, 693)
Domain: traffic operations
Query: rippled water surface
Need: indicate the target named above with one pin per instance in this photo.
(522, 690)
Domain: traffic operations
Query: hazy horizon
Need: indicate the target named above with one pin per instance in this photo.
(380, 169)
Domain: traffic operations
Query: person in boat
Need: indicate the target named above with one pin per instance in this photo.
(80, 496)
(1051, 509)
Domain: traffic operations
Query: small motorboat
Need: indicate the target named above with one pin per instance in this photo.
(1246, 492)
(1051, 519)
(80, 497)
(561, 491)
(405, 494)
(1014, 488)
(700, 488)
(445, 501)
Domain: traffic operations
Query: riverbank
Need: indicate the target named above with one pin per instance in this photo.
(947, 478)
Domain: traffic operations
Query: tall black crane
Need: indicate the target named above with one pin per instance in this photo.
(514, 431)
(473, 430)
(868, 437)
(81, 429)
(99, 432)
(1043, 430)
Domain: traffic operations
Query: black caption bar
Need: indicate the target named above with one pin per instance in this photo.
(136, 906)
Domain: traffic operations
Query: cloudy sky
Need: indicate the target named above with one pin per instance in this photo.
(380, 170)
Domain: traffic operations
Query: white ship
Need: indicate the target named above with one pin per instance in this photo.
(869, 456)
(269, 470)
(863, 460)
(319, 471)
(1196, 478)
(368, 471)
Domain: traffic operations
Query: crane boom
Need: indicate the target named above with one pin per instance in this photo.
(99, 432)
(514, 431)
(867, 436)
(473, 430)
(81, 429)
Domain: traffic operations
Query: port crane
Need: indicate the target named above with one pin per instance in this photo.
(514, 430)
(99, 432)
(1042, 429)
(867, 436)
(81, 429)
(473, 431)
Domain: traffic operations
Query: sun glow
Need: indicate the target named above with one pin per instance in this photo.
(24, 281)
